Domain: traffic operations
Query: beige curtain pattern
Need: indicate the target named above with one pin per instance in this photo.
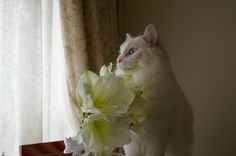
(90, 35)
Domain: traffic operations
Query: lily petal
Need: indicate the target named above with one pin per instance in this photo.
(84, 90)
(106, 70)
(74, 145)
(111, 96)
(86, 82)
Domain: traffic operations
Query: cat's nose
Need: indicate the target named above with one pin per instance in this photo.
(119, 60)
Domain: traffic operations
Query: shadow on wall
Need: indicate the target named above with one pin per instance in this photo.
(200, 38)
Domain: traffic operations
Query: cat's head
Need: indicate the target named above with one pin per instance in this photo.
(137, 52)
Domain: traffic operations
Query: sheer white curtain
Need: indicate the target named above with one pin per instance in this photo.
(34, 102)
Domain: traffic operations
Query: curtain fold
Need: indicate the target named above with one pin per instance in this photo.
(35, 105)
(90, 35)
(20, 81)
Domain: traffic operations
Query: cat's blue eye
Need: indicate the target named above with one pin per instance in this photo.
(131, 51)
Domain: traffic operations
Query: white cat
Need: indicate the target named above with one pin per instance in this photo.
(169, 130)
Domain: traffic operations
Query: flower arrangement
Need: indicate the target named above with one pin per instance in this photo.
(112, 107)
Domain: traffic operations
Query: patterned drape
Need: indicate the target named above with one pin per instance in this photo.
(90, 34)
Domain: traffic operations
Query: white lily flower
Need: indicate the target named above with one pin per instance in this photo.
(102, 134)
(112, 106)
(106, 94)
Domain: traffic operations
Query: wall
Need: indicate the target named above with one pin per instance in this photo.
(200, 38)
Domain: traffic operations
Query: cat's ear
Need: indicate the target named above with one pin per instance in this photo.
(151, 35)
(128, 36)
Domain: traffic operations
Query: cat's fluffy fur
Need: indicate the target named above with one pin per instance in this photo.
(169, 130)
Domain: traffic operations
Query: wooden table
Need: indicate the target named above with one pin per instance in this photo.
(44, 149)
(50, 149)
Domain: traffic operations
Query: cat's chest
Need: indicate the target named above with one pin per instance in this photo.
(149, 85)
(156, 93)
(145, 80)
